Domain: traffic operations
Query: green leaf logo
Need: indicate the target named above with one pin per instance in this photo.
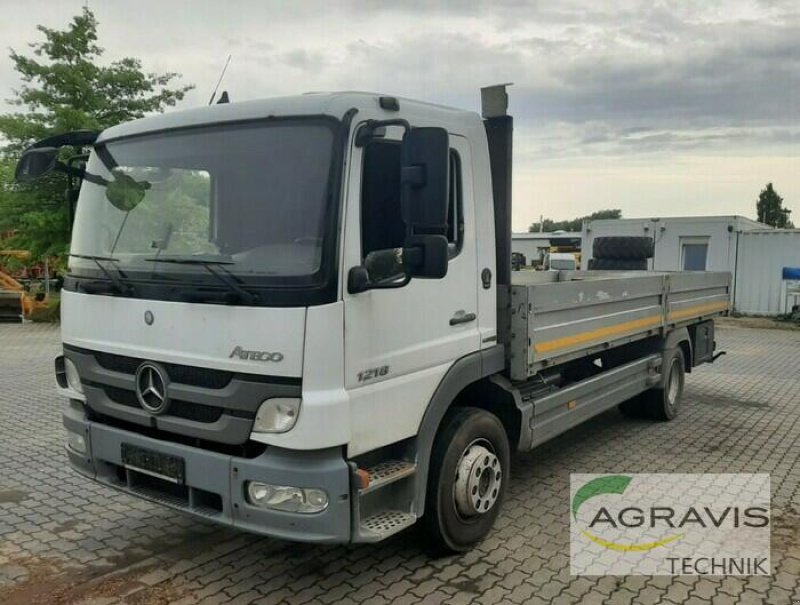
(610, 484)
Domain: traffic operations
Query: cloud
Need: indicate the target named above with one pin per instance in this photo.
(301, 59)
(630, 81)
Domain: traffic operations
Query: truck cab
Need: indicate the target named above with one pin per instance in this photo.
(220, 356)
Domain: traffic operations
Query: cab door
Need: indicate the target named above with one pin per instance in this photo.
(400, 342)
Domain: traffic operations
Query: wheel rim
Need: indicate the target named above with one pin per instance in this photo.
(674, 385)
(479, 477)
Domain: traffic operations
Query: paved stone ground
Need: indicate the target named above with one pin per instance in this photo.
(65, 540)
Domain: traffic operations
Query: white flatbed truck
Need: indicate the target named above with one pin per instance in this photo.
(297, 317)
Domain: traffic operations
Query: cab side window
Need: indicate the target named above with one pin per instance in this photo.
(382, 224)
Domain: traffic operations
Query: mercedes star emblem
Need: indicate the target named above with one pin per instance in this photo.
(151, 388)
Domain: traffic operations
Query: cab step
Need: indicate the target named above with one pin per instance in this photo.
(384, 524)
(384, 473)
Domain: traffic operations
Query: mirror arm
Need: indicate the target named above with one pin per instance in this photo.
(368, 131)
(69, 170)
(76, 138)
(80, 173)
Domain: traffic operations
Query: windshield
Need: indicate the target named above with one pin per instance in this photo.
(254, 198)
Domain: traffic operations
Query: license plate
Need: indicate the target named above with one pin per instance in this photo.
(155, 464)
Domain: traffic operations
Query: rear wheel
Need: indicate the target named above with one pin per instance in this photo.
(661, 403)
(633, 408)
(664, 402)
(467, 480)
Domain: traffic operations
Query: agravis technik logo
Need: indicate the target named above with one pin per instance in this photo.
(670, 524)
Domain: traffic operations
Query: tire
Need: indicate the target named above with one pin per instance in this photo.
(633, 408)
(613, 264)
(469, 471)
(663, 403)
(623, 247)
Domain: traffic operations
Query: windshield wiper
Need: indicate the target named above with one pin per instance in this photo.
(117, 279)
(208, 264)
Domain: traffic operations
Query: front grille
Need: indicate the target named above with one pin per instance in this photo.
(248, 449)
(198, 377)
(177, 408)
(211, 409)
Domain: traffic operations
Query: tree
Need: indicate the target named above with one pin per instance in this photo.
(575, 224)
(65, 87)
(770, 209)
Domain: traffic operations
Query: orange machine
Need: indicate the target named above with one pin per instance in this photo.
(15, 302)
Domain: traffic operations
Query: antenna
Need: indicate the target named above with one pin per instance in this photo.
(222, 75)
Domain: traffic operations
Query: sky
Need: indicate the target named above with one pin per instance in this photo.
(659, 108)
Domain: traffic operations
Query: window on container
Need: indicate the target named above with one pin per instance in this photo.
(382, 223)
(694, 253)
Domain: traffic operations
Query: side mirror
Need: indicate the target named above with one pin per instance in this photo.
(35, 163)
(425, 179)
(382, 269)
(42, 157)
(394, 268)
(429, 258)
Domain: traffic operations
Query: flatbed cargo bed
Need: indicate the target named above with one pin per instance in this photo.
(560, 316)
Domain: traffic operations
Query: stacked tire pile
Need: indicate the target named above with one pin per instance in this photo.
(621, 253)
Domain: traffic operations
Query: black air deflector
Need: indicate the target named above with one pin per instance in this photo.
(499, 134)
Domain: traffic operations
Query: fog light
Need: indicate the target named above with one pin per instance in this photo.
(73, 378)
(76, 442)
(277, 415)
(286, 498)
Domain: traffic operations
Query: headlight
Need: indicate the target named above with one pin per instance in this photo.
(285, 498)
(73, 378)
(277, 415)
(76, 442)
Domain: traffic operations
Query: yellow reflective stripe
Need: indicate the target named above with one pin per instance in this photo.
(576, 339)
(699, 310)
(631, 547)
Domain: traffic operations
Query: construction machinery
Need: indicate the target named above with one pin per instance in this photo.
(563, 248)
(16, 303)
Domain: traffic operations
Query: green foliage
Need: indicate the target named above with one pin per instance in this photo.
(37, 216)
(66, 87)
(770, 209)
(575, 224)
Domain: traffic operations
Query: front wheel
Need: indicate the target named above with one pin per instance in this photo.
(467, 480)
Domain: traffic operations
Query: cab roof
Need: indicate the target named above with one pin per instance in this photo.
(335, 104)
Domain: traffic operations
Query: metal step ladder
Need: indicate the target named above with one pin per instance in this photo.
(384, 503)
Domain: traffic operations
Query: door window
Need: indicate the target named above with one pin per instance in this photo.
(382, 223)
(694, 253)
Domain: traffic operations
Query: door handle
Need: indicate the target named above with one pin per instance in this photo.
(462, 318)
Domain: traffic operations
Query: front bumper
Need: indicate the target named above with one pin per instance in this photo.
(215, 483)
